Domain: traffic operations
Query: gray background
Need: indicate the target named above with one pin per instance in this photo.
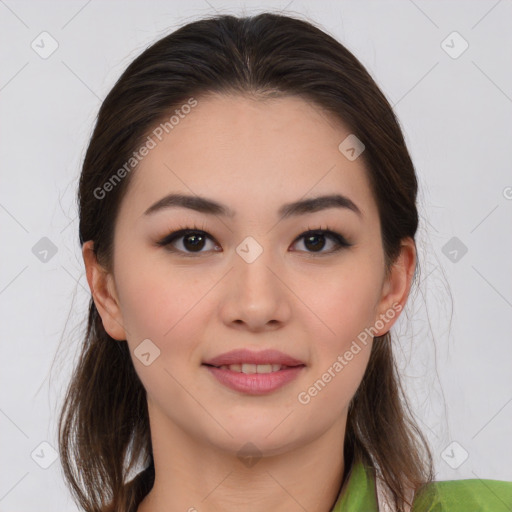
(455, 339)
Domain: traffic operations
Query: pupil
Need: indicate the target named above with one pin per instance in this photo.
(314, 246)
(194, 245)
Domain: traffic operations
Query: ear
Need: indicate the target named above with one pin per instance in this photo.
(104, 293)
(396, 286)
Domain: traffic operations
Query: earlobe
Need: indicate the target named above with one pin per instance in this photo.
(103, 291)
(397, 285)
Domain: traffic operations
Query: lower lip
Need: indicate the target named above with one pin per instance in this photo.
(255, 383)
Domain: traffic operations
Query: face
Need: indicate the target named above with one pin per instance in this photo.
(252, 279)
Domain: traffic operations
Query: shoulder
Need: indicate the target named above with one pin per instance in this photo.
(464, 495)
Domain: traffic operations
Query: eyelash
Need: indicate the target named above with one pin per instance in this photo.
(183, 231)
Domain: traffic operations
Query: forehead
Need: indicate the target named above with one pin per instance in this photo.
(250, 154)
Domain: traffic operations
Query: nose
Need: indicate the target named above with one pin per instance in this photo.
(255, 295)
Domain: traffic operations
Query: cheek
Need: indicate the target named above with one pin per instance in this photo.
(166, 308)
(341, 345)
(158, 298)
(345, 301)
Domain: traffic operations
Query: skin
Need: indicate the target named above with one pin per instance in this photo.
(253, 156)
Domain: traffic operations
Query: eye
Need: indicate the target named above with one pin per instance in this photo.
(190, 241)
(187, 241)
(315, 241)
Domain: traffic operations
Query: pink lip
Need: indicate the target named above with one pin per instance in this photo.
(256, 383)
(251, 357)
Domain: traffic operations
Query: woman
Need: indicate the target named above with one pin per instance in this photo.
(247, 221)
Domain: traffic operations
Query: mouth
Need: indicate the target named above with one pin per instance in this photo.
(251, 369)
(254, 372)
(250, 361)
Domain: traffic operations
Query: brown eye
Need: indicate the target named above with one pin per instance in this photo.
(187, 241)
(193, 242)
(315, 241)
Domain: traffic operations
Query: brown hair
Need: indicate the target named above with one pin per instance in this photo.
(103, 425)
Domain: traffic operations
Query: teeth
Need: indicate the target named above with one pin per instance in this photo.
(252, 368)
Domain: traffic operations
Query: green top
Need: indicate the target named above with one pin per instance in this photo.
(358, 494)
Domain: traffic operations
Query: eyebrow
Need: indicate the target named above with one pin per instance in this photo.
(211, 207)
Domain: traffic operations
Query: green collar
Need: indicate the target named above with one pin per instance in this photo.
(358, 492)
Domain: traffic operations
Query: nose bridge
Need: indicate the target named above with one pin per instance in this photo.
(256, 296)
(253, 262)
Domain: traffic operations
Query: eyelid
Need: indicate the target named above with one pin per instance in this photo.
(327, 232)
(176, 234)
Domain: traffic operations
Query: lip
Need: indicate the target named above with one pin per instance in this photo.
(254, 383)
(251, 357)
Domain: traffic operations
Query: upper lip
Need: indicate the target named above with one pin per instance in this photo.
(251, 357)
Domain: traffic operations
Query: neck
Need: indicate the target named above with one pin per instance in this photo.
(194, 475)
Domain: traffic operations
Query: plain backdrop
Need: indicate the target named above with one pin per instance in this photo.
(453, 96)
